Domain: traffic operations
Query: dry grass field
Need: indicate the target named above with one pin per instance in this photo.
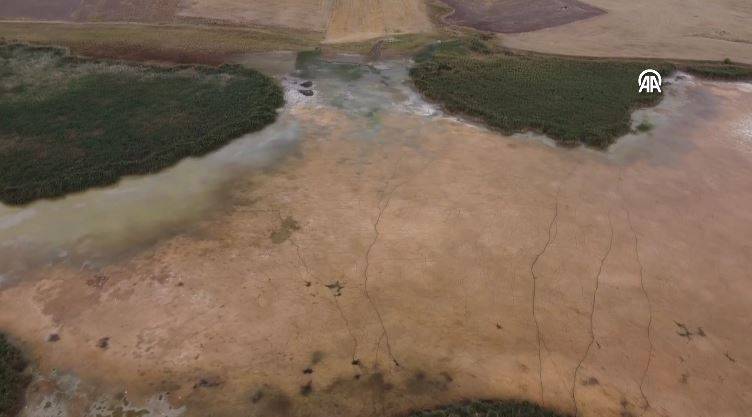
(339, 20)
(182, 43)
(420, 262)
(694, 29)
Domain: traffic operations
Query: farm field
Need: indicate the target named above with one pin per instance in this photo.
(189, 44)
(337, 20)
(653, 29)
(513, 16)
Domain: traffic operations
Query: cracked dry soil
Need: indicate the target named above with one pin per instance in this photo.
(465, 265)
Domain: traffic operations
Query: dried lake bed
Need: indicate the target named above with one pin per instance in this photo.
(406, 259)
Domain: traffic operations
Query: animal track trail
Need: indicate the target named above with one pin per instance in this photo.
(649, 326)
(383, 204)
(539, 336)
(335, 301)
(592, 316)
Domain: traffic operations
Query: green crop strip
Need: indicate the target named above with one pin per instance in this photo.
(69, 123)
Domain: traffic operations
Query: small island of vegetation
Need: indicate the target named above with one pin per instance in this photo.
(69, 123)
(572, 100)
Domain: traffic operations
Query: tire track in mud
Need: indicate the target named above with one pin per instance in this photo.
(592, 316)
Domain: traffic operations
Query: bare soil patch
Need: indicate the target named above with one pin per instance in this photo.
(38, 9)
(130, 10)
(515, 16)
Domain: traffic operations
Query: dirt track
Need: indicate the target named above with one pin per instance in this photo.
(431, 261)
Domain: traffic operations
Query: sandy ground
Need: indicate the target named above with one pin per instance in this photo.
(694, 29)
(397, 261)
(358, 20)
(303, 14)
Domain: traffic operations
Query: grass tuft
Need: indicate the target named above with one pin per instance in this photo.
(644, 127)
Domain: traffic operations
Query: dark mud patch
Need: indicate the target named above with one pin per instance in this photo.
(515, 16)
(487, 409)
(306, 389)
(270, 401)
(103, 343)
(421, 383)
(285, 230)
(207, 382)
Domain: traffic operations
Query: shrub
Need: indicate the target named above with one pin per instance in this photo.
(13, 381)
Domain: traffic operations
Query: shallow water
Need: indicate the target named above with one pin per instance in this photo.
(89, 228)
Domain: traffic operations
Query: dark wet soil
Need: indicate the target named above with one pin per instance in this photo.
(38, 9)
(515, 16)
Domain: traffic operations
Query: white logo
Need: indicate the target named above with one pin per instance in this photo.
(650, 81)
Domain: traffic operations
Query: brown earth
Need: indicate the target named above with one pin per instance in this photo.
(38, 9)
(128, 10)
(358, 20)
(514, 16)
(430, 262)
(182, 43)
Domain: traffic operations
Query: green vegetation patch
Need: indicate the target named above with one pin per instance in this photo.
(69, 123)
(13, 380)
(727, 71)
(489, 409)
(286, 229)
(572, 100)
